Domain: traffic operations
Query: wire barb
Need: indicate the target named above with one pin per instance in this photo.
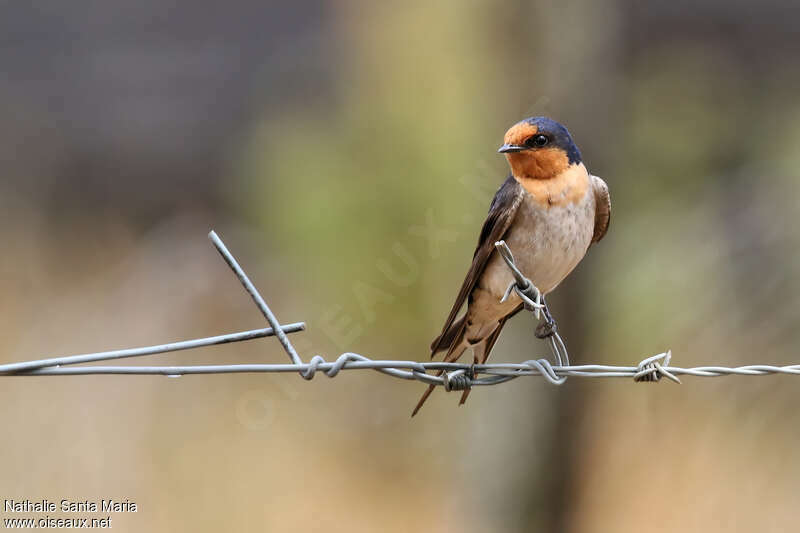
(651, 369)
(458, 380)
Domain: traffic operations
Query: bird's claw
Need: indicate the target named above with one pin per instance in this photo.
(545, 329)
(548, 327)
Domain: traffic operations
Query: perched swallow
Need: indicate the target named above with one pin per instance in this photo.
(549, 211)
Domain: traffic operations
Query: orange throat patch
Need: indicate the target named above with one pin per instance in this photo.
(566, 187)
(541, 164)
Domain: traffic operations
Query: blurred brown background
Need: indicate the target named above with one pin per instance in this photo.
(320, 140)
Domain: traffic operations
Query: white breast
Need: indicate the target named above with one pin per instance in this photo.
(547, 243)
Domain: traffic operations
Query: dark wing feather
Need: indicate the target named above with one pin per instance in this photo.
(502, 211)
(602, 209)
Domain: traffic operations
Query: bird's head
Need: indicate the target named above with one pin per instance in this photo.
(539, 148)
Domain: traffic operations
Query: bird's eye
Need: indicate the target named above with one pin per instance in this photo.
(537, 141)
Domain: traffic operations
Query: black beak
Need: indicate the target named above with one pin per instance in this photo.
(507, 148)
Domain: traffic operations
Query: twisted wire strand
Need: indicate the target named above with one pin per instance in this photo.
(411, 370)
(456, 376)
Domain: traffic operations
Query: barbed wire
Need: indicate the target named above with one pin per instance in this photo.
(455, 376)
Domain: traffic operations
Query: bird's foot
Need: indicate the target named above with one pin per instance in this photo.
(548, 327)
(470, 372)
(470, 375)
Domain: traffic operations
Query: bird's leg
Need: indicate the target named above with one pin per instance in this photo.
(470, 373)
(548, 327)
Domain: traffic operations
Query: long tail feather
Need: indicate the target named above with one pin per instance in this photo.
(482, 351)
(447, 339)
(456, 349)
